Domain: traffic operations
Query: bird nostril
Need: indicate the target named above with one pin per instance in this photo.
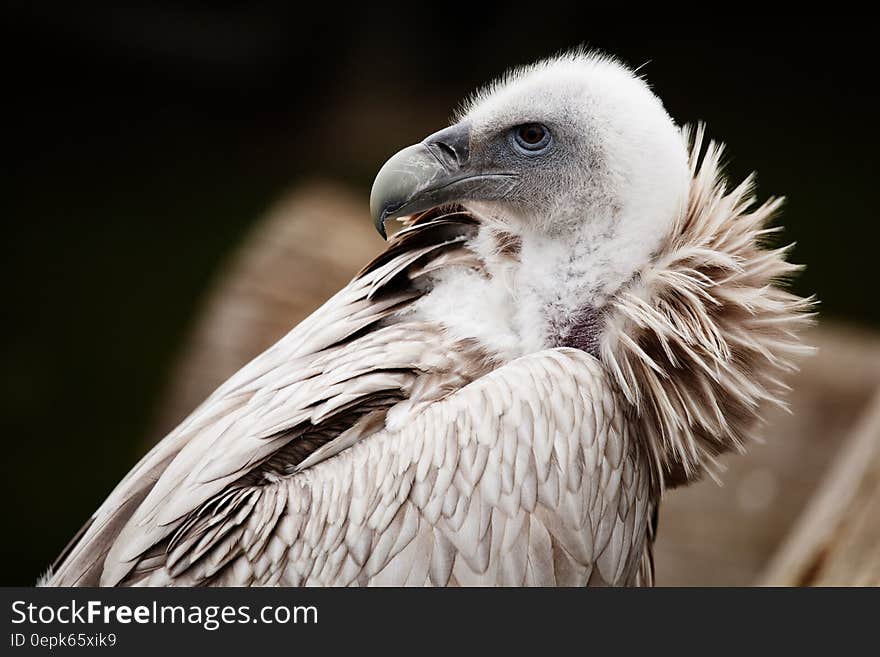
(451, 146)
(448, 152)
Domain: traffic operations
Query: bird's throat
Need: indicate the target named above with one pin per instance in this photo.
(583, 332)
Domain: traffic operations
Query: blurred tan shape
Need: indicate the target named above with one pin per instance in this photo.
(836, 540)
(313, 241)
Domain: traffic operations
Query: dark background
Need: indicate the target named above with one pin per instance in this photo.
(140, 143)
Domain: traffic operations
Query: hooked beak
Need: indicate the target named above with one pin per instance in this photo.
(437, 171)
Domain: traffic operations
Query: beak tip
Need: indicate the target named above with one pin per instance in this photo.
(380, 216)
(382, 205)
(380, 228)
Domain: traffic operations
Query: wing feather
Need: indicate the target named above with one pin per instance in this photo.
(399, 508)
(340, 363)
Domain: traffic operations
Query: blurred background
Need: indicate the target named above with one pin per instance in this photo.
(182, 184)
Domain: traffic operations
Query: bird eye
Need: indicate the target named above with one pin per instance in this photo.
(531, 137)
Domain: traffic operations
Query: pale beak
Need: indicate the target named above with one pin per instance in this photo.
(435, 172)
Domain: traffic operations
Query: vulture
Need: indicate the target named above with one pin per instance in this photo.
(577, 314)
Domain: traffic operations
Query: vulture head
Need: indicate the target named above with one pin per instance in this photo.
(605, 227)
(575, 156)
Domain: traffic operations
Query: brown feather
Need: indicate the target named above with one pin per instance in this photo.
(697, 341)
